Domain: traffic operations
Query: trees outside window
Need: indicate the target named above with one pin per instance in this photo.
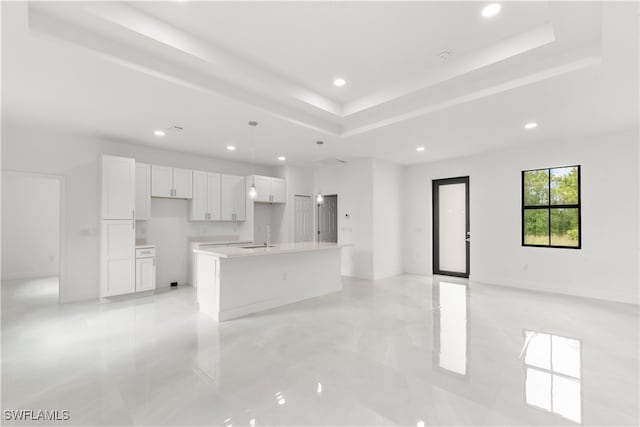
(551, 207)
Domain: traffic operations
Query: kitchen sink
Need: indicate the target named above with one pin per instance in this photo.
(256, 247)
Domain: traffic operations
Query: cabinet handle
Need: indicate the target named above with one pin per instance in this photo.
(154, 262)
(133, 214)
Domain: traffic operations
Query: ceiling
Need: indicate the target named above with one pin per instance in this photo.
(122, 70)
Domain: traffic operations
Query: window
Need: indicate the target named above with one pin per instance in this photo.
(551, 207)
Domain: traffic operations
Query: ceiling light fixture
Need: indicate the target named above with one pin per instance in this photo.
(491, 10)
(339, 82)
(231, 147)
(419, 149)
(531, 125)
(282, 158)
(253, 193)
(158, 133)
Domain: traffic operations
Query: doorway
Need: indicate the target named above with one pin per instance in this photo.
(328, 219)
(451, 234)
(32, 239)
(302, 218)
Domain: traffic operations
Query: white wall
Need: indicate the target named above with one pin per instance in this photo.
(607, 265)
(30, 225)
(76, 158)
(353, 183)
(387, 219)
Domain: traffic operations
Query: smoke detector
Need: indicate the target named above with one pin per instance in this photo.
(445, 54)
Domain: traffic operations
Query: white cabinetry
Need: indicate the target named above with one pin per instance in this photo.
(233, 198)
(117, 275)
(206, 202)
(145, 269)
(278, 191)
(270, 189)
(171, 182)
(118, 187)
(143, 191)
(117, 228)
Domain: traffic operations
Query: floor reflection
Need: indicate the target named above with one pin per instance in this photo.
(451, 326)
(553, 366)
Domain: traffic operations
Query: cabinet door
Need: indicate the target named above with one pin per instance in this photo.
(227, 193)
(118, 187)
(161, 181)
(143, 191)
(145, 274)
(182, 183)
(278, 191)
(263, 188)
(198, 204)
(240, 198)
(213, 196)
(117, 263)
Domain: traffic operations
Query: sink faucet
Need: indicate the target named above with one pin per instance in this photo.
(268, 242)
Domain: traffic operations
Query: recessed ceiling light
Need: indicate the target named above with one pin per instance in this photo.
(282, 158)
(231, 147)
(491, 10)
(420, 149)
(339, 82)
(531, 125)
(158, 132)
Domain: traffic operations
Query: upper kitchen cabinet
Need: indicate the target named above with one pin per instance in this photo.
(233, 198)
(143, 191)
(206, 202)
(171, 182)
(118, 184)
(269, 189)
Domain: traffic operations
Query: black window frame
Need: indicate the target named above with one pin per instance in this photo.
(550, 206)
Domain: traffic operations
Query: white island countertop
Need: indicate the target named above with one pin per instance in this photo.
(276, 249)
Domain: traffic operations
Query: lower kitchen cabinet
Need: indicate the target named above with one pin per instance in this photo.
(145, 274)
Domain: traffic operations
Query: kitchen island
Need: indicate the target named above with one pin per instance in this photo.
(236, 281)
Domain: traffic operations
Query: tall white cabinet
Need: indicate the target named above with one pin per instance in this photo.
(233, 198)
(206, 202)
(117, 228)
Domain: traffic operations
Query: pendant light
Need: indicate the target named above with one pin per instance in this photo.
(253, 193)
(319, 196)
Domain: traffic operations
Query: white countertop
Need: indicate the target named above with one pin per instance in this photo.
(217, 241)
(281, 248)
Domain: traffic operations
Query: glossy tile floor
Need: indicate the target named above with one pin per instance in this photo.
(405, 351)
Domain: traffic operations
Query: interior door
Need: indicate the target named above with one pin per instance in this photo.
(328, 219)
(451, 235)
(303, 219)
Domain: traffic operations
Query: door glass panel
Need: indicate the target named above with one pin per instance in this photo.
(453, 228)
(536, 227)
(536, 187)
(564, 227)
